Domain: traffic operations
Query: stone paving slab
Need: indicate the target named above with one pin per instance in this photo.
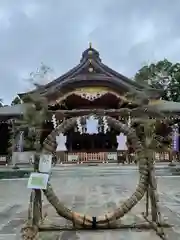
(94, 191)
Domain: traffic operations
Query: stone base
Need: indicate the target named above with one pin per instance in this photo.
(22, 157)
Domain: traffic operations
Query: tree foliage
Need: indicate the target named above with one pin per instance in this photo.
(31, 123)
(35, 115)
(37, 107)
(155, 134)
(16, 101)
(163, 75)
(41, 76)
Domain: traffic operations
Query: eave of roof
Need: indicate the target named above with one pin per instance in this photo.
(95, 80)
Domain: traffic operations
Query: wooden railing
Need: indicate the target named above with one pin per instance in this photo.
(96, 156)
(162, 156)
(103, 156)
(3, 160)
(89, 156)
(85, 157)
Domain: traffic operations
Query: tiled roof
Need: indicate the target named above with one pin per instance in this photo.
(166, 106)
(90, 60)
(18, 109)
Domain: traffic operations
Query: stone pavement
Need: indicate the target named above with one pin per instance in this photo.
(91, 190)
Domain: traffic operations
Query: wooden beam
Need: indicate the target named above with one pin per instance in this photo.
(123, 112)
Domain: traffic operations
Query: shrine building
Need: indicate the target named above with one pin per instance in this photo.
(89, 85)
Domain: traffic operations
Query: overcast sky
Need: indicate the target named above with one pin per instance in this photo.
(127, 33)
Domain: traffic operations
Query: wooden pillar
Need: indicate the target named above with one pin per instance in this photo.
(92, 142)
(61, 155)
(37, 204)
(70, 142)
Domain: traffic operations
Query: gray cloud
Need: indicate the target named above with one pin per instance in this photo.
(127, 34)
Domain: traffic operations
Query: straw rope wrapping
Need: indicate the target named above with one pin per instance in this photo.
(110, 218)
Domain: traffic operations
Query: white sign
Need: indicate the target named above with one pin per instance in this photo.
(38, 181)
(72, 158)
(45, 163)
(112, 156)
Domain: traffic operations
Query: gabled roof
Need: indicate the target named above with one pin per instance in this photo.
(90, 71)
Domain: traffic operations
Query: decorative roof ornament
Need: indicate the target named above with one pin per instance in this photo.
(90, 70)
(90, 53)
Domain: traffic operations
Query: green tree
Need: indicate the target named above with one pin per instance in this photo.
(31, 123)
(16, 101)
(163, 75)
(155, 134)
